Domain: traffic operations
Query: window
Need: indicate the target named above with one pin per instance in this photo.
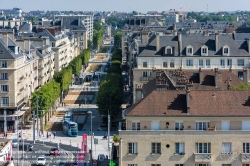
(156, 148)
(229, 62)
(226, 165)
(189, 50)
(178, 125)
(169, 51)
(165, 64)
(189, 62)
(155, 164)
(4, 64)
(179, 148)
(246, 147)
(3, 76)
(202, 164)
(4, 88)
(201, 63)
(225, 51)
(5, 101)
(204, 50)
(208, 63)
(1, 51)
(132, 148)
(132, 164)
(226, 147)
(172, 64)
(222, 63)
(144, 74)
(203, 147)
(245, 164)
(201, 125)
(53, 44)
(135, 125)
(145, 64)
(179, 164)
(240, 62)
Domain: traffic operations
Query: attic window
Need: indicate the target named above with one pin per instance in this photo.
(168, 50)
(225, 50)
(1, 51)
(204, 50)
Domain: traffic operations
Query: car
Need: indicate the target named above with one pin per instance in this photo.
(14, 143)
(41, 160)
(54, 151)
(61, 164)
(101, 157)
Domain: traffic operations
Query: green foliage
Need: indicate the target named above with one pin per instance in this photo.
(118, 39)
(115, 21)
(98, 34)
(64, 77)
(90, 44)
(111, 88)
(85, 56)
(47, 95)
(242, 86)
(116, 138)
(217, 17)
(76, 65)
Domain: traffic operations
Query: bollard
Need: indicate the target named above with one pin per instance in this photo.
(60, 141)
(70, 142)
(58, 146)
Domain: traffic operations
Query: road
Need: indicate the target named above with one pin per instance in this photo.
(67, 156)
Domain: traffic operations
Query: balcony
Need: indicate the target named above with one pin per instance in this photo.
(40, 77)
(146, 78)
(202, 157)
(21, 89)
(245, 157)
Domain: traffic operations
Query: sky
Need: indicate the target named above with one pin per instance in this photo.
(127, 5)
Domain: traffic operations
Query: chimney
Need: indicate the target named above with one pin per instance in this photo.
(234, 35)
(200, 76)
(246, 75)
(175, 33)
(144, 37)
(5, 39)
(188, 100)
(248, 45)
(174, 27)
(216, 77)
(205, 33)
(217, 42)
(180, 43)
(157, 41)
(138, 91)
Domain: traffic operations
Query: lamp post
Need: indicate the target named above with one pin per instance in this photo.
(90, 112)
(109, 122)
(37, 116)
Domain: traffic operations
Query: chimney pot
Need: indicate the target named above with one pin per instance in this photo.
(188, 100)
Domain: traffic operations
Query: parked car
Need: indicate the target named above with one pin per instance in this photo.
(74, 163)
(54, 151)
(101, 157)
(41, 160)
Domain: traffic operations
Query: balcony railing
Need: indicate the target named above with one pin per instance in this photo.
(146, 78)
(245, 157)
(202, 157)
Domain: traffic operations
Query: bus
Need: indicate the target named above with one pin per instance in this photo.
(68, 116)
(70, 128)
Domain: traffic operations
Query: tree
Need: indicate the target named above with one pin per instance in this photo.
(90, 44)
(118, 39)
(98, 26)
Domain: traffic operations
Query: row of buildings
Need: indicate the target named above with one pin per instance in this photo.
(184, 111)
(29, 57)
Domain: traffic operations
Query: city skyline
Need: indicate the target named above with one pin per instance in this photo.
(128, 6)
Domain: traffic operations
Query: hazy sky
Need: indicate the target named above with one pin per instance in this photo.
(127, 5)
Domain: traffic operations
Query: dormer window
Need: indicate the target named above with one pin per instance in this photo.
(204, 50)
(226, 50)
(189, 50)
(168, 50)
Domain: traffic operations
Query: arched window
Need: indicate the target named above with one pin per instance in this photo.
(189, 50)
(225, 50)
(168, 50)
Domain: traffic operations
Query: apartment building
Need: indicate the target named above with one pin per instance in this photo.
(18, 80)
(203, 123)
(80, 25)
(170, 51)
(65, 47)
(45, 54)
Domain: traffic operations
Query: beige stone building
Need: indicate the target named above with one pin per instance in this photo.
(18, 79)
(205, 125)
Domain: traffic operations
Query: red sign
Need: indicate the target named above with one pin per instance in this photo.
(81, 157)
(84, 143)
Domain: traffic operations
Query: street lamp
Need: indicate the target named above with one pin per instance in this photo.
(109, 121)
(90, 112)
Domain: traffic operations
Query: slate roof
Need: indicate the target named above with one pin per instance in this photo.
(7, 53)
